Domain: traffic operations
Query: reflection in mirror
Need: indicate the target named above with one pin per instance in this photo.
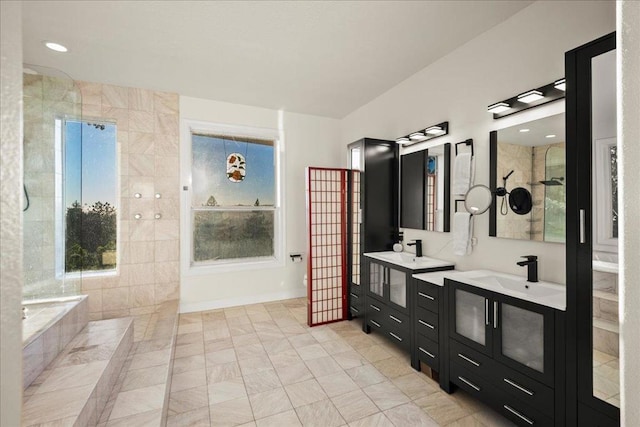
(478, 199)
(425, 193)
(535, 152)
(434, 200)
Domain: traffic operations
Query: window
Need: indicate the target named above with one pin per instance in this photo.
(89, 182)
(606, 195)
(234, 216)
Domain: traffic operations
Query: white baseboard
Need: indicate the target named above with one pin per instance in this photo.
(232, 302)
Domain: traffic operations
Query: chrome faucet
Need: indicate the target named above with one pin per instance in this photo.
(532, 267)
(418, 244)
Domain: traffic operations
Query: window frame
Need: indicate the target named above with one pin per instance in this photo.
(198, 268)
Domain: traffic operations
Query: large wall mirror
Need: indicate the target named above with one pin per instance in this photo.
(425, 189)
(530, 155)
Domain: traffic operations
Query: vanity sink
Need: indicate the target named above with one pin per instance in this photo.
(541, 292)
(408, 260)
(521, 286)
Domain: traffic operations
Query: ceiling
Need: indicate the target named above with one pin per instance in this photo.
(324, 58)
(538, 134)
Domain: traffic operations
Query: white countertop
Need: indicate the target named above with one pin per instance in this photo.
(544, 293)
(409, 260)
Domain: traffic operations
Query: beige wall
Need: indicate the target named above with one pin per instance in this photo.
(10, 213)
(148, 155)
(628, 34)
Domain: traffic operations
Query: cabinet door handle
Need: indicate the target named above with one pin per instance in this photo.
(431, 355)
(495, 315)
(518, 386)
(395, 336)
(486, 311)
(375, 323)
(468, 359)
(374, 307)
(426, 296)
(353, 295)
(395, 319)
(469, 383)
(518, 414)
(422, 322)
(583, 233)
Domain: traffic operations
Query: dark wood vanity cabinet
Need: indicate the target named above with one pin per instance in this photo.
(508, 353)
(429, 326)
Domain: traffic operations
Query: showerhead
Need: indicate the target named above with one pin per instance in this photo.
(553, 181)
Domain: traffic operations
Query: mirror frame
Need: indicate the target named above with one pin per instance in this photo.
(466, 197)
(446, 220)
(493, 178)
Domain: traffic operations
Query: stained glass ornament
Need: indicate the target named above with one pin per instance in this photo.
(236, 167)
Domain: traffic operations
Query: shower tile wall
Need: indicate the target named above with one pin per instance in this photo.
(539, 173)
(148, 153)
(45, 99)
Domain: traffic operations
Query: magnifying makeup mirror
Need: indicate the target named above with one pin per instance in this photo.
(478, 199)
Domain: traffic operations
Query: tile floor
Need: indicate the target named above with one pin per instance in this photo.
(260, 365)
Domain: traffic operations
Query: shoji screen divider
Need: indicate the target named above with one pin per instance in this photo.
(327, 228)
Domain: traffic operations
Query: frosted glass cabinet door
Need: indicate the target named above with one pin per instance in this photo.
(522, 336)
(470, 316)
(376, 279)
(398, 287)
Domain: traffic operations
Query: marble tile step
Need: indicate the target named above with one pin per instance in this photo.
(75, 388)
(606, 336)
(605, 306)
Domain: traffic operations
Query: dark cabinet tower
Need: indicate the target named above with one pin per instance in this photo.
(374, 202)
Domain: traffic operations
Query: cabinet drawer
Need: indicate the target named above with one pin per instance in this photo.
(428, 351)
(355, 289)
(427, 296)
(472, 360)
(399, 335)
(376, 312)
(355, 309)
(527, 390)
(396, 320)
(475, 384)
(375, 324)
(520, 413)
(427, 323)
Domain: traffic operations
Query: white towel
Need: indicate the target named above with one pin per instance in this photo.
(462, 173)
(462, 224)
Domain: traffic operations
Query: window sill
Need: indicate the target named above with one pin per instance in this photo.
(90, 274)
(227, 266)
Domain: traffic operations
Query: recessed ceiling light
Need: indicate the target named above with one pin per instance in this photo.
(530, 96)
(524, 130)
(403, 140)
(417, 135)
(550, 136)
(498, 107)
(561, 84)
(56, 46)
(434, 130)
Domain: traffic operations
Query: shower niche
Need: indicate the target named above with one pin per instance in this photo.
(530, 155)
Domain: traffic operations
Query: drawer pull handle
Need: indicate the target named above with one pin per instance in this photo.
(518, 386)
(375, 323)
(374, 307)
(431, 355)
(395, 336)
(353, 295)
(428, 325)
(426, 296)
(473, 362)
(395, 318)
(355, 309)
(486, 311)
(469, 383)
(495, 315)
(518, 414)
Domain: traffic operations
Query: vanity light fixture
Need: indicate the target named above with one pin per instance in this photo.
(499, 107)
(550, 136)
(433, 130)
(530, 96)
(524, 130)
(56, 46)
(424, 134)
